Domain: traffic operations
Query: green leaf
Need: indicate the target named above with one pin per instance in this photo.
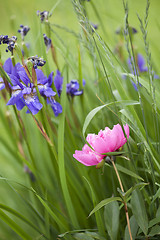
(14, 226)
(20, 216)
(18, 50)
(128, 172)
(154, 221)
(52, 214)
(104, 203)
(154, 231)
(92, 113)
(95, 235)
(76, 231)
(140, 132)
(54, 7)
(61, 161)
(134, 229)
(92, 234)
(156, 195)
(5, 75)
(138, 185)
(139, 210)
(88, 236)
(113, 153)
(100, 224)
(111, 218)
(147, 86)
(82, 236)
(80, 69)
(158, 212)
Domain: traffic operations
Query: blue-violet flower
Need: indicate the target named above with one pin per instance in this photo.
(72, 88)
(43, 15)
(23, 31)
(25, 94)
(58, 81)
(56, 107)
(47, 41)
(37, 61)
(4, 39)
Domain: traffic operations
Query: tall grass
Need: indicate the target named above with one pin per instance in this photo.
(45, 192)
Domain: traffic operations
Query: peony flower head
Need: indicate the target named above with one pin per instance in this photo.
(107, 140)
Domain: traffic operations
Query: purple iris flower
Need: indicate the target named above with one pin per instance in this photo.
(24, 96)
(24, 93)
(44, 84)
(58, 81)
(12, 72)
(2, 85)
(56, 107)
(72, 88)
(140, 64)
(141, 68)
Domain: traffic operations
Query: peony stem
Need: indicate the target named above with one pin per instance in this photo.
(125, 205)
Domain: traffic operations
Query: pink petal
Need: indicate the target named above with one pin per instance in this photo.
(102, 146)
(87, 159)
(91, 138)
(106, 141)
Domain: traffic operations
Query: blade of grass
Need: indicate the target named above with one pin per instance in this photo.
(14, 226)
(20, 216)
(52, 214)
(100, 223)
(61, 161)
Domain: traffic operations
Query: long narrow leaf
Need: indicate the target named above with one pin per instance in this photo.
(14, 226)
(97, 109)
(139, 210)
(128, 172)
(103, 203)
(20, 216)
(100, 223)
(61, 161)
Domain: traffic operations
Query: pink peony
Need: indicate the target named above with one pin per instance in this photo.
(106, 141)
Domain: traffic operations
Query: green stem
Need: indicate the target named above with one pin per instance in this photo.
(125, 205)
(25, 137)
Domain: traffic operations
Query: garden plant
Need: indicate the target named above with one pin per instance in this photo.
(79, 121)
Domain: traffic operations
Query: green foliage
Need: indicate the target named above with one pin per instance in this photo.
(139, 210)
(111, 218)
(104, 203)
(134, 229)
(47, 194)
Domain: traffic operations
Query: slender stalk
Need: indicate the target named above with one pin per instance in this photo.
(24, 137)
(125, 205)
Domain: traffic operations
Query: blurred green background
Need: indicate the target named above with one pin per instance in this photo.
(16, 12)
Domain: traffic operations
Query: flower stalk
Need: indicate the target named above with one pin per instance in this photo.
(125, 205)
